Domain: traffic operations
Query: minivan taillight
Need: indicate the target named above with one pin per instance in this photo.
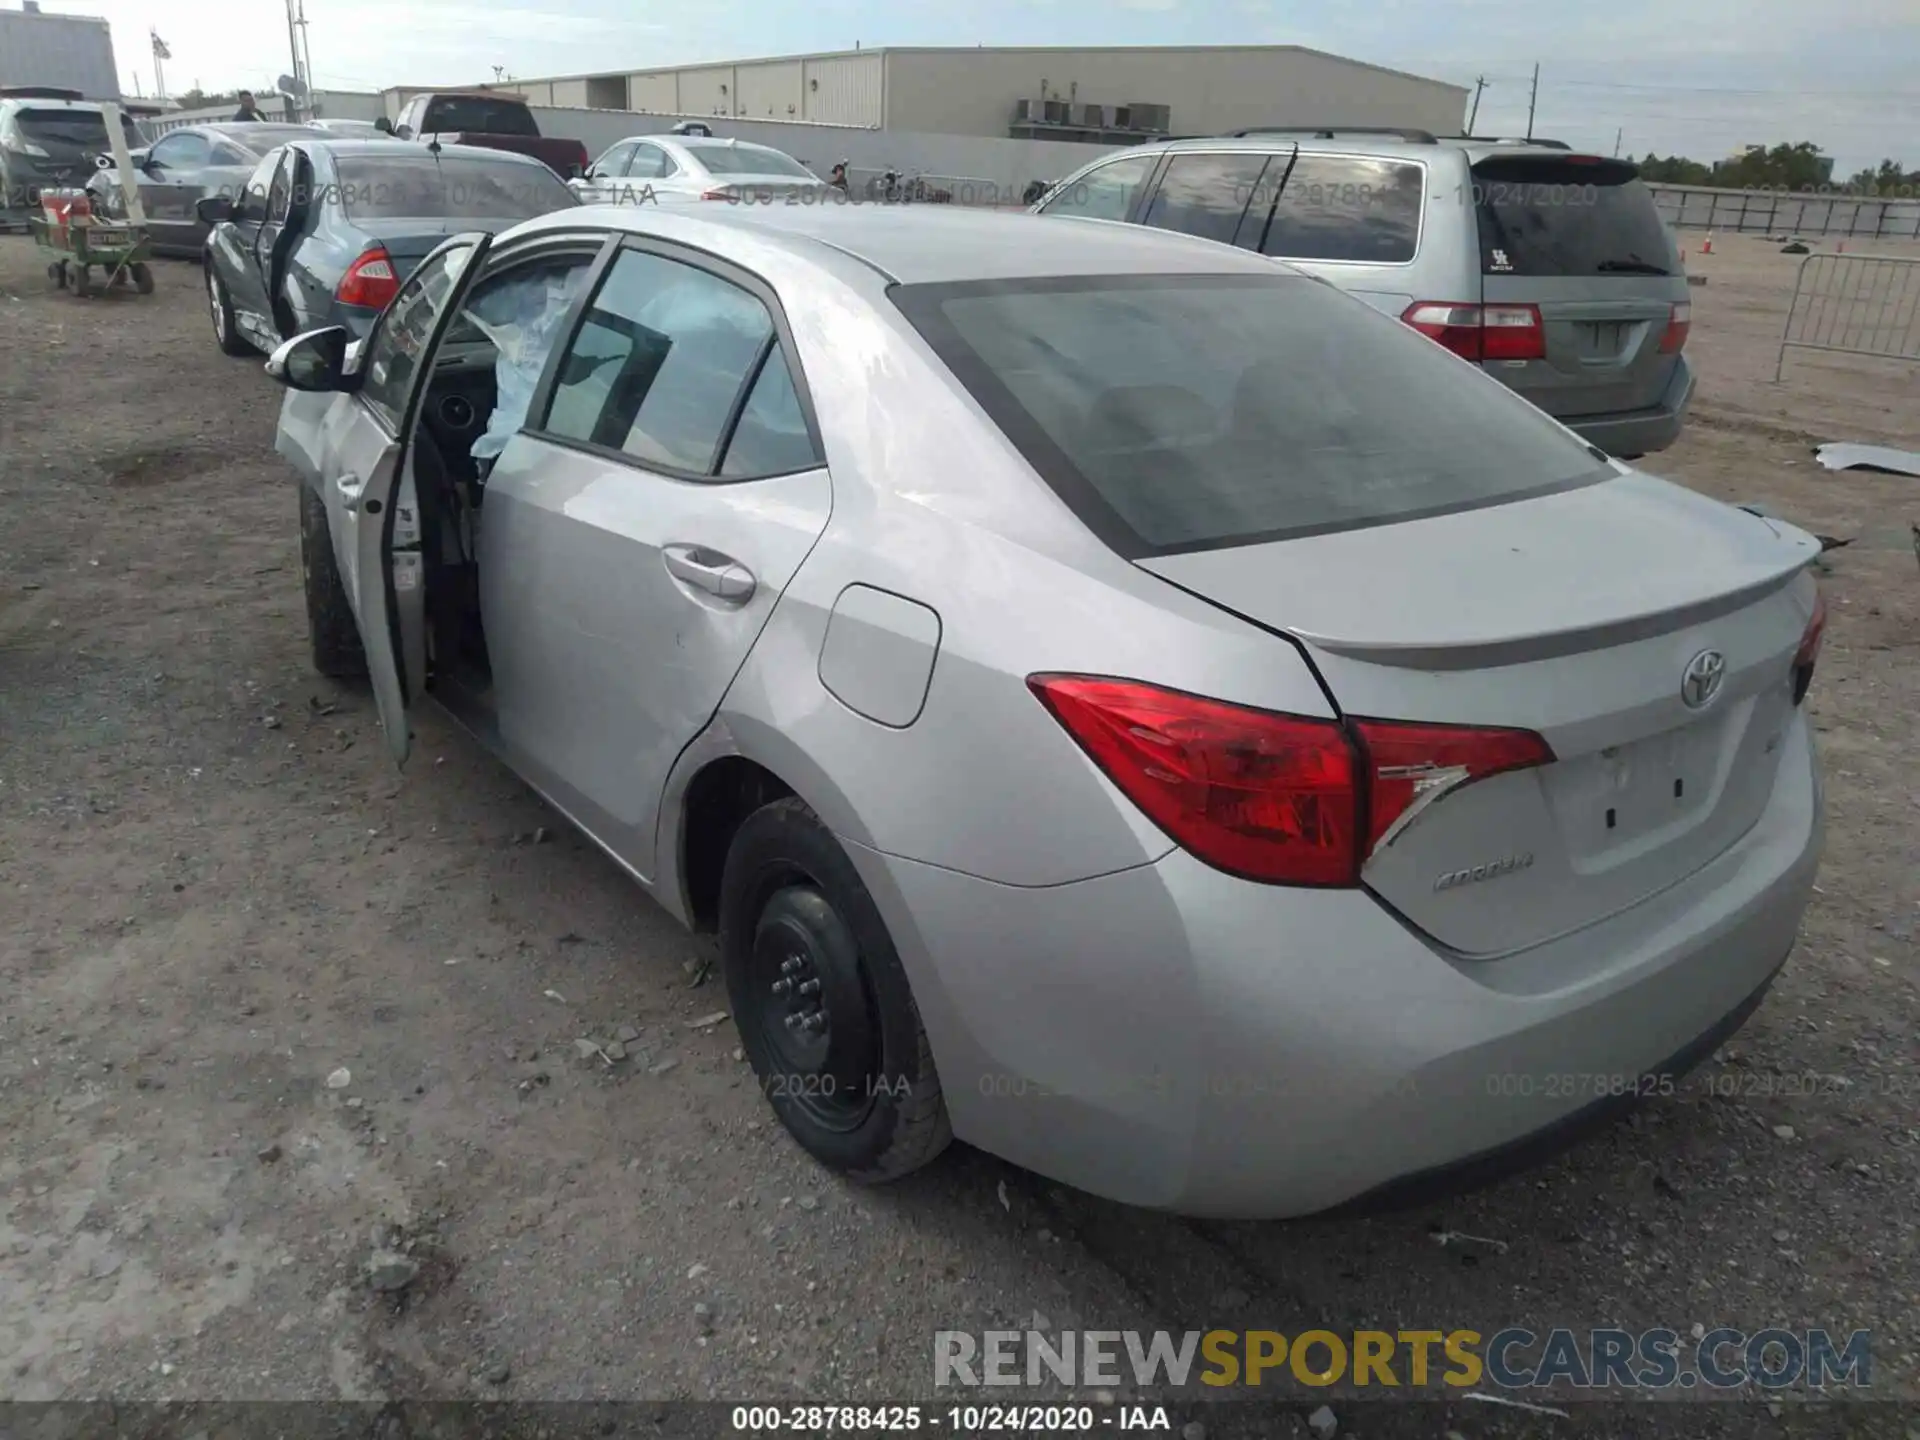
(1283, 799)
(1674, 338)
(370, 281)
(1808, 655)
(1481, 332)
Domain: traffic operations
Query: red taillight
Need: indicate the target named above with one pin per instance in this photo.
(1674, 338)
(716, 195)
(1481, 332)
(1267, 796)
(370, 281)
(1272, 797)
(1412, 765)
(1808, 655)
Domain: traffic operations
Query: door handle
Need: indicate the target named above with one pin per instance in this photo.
(708, 570)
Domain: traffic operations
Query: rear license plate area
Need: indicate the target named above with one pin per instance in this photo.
(1625, 793)
(1601, 338)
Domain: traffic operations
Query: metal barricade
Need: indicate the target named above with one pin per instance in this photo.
(1854, 305)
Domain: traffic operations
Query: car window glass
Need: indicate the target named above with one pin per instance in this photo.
(280, 192)
(182, 152)
(251, 202)
(394, 353)
(1334, 207)
(1206, 410)
(771, 437)
(724, 159)
(1104, 194)
(225, 154)
(648, 163)
(1206, 195)
(613, 164)
(658, 363)
(1565, 217)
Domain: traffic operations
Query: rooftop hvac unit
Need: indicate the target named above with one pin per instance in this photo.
(1091, 117)
(1123, 117)
(1030, 112)
(1150, 117)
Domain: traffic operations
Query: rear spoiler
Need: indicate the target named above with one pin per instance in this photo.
(1511, 140)
(39, 92)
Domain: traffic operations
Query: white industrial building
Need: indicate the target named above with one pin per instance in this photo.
(1103, 94)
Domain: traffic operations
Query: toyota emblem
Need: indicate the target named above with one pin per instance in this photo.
(1701, 681)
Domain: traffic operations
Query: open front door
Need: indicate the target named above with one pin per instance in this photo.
(370, 494)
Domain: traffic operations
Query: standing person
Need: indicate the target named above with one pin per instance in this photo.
(248, 113)
(838, 179)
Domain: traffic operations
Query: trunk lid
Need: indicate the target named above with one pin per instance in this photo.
(1579, 238)
(1575, 615)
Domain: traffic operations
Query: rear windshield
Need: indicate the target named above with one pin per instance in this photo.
(748, 160)
(86, 128)
(390, 187)
(1560, 217)
(479, 116)
(1191, 412)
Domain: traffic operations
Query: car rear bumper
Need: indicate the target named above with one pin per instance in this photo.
(1171, 1037)
(1631, 433)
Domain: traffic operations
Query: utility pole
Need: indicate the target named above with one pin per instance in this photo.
(1479, 84)
(1533, 99)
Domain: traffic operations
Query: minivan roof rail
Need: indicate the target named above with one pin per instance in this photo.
(1331, 132)
(1513, 140)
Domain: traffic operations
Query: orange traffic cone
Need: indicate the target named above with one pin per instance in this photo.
(1707, 247)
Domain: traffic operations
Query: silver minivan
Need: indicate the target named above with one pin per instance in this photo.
(1550, 269)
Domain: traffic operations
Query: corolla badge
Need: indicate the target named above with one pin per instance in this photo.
(1701, 681)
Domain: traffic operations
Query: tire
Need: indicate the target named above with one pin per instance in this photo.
(226, 332)
(860, 1093)
(142, 276)
(331, 630)
(80, 278)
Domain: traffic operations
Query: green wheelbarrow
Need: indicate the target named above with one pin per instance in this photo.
(86, 254)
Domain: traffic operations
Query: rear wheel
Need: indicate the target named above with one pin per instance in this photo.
(824, 1009)
(330, 624)
(142, 276)
(80, 279)
(225, 331)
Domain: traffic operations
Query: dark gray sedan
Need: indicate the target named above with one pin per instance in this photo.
(185, 166)
(325, 231)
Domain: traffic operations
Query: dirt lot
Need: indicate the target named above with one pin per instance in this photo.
(218, 891)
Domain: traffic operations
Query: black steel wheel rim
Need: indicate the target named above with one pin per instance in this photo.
(812, 1009)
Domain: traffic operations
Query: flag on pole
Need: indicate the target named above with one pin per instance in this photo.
(160, 50)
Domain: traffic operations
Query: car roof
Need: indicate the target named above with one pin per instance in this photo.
(934, 244)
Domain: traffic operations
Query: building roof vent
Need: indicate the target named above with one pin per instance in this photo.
(30, 7)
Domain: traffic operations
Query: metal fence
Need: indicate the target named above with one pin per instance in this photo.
(1854, 305)
(1782, 212)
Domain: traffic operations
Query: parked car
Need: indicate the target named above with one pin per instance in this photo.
(184, 167)
(49, 139)
(325, 231)
(1551, 270)
(1224, 753)
(647, 168)
(491, 121)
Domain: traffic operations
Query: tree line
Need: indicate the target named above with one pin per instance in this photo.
(1798, 166)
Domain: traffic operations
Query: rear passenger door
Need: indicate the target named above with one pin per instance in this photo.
(641, 529)
(1355, 220)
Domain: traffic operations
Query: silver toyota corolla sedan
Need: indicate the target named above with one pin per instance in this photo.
(1120, 703)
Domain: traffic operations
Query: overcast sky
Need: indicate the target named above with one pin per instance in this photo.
(1699, 77)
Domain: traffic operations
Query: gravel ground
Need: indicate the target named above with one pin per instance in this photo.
(273, 1008)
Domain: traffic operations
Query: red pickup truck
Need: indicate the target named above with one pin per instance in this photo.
(490, 120)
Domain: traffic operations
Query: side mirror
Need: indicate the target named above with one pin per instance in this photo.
(383, 125)
(139, 159)
(213, 209)
(314, 361)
